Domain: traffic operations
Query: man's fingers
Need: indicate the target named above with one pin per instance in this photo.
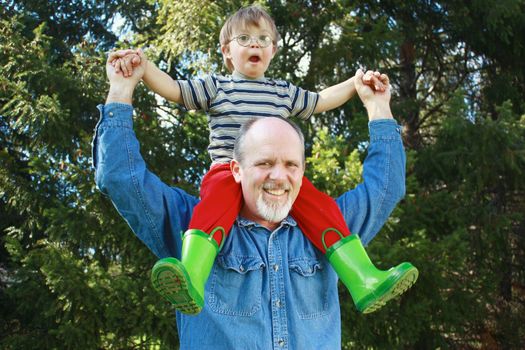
(375, 80)
(377, 84)
(384, 79)
(119, 54)
(116, 64)
(123, 67)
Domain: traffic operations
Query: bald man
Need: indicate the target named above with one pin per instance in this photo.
(269, 287)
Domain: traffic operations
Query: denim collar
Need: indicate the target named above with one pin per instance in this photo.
(288, 221)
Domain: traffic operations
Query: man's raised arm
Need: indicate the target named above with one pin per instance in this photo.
(156, 212)
(367, 207)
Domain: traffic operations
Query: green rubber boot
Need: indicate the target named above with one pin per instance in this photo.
(370, 287)
(182, 282)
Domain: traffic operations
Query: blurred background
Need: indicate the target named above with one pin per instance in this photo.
(73, 275)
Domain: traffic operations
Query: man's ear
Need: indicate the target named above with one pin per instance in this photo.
(235, 167)
(225, 49)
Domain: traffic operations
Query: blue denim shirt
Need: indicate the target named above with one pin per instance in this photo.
(267, 289)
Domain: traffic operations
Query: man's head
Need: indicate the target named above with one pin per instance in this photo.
(269, 164)
(249, 41)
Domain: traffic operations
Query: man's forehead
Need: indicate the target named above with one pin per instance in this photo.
(273, 139)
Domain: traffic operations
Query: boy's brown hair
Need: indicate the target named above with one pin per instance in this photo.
(250, 15)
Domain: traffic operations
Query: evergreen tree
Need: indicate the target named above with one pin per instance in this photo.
(72, 274)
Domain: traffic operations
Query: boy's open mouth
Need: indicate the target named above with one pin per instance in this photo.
(254, 59)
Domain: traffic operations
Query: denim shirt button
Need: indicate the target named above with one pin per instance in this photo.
(281, 343)
(278, 303)
(110, 114)
(275, 267)
(241, 268)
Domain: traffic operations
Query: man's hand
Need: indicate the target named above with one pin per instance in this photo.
(377, 102)
(121, 88)
(126, 60)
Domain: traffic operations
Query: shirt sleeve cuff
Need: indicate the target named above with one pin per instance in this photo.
(384, 129)
(115, 112)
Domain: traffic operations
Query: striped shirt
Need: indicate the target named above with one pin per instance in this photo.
(230, 101)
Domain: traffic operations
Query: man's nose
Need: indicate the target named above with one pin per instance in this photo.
(278, 172)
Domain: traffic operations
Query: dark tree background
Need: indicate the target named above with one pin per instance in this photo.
(73, 276)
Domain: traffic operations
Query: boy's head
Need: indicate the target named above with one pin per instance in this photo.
(249, 41)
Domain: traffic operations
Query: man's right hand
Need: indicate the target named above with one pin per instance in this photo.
(120, 87)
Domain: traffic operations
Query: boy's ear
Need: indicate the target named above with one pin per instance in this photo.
(274, 50)
(235, 168)
(225, 49)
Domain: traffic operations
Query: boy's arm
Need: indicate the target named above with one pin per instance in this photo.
(158, 81)
(161, 83)
(336, 95)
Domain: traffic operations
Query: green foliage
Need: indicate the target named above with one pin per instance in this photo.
(329, 168)
(72, 275)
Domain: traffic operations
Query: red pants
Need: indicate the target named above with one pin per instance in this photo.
(221, 201)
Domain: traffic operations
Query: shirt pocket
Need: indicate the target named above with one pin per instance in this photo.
(235, 287)
(309, 285)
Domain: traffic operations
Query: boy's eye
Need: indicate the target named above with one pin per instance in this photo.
(244, 39)
(264, 40)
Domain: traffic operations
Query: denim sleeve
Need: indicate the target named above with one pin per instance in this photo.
(367, 207)
(156, 213)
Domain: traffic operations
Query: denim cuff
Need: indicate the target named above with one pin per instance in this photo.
(116, 114)
(384, 129)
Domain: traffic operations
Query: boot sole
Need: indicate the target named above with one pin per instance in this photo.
(390, 289)
(170, 279)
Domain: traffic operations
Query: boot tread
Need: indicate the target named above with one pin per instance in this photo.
(171, 281)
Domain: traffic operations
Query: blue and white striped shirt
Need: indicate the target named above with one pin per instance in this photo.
(230, 101)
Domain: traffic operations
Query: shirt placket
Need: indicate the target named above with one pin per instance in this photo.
(277, 294)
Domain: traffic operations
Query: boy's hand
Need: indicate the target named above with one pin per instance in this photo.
(126, 60)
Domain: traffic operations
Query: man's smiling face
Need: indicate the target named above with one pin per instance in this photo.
(271, 171)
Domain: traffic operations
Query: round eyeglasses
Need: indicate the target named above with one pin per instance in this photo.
(246, 40)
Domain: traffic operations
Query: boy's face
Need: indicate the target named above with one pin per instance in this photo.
(252, 60)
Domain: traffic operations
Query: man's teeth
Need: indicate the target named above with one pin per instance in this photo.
(276, 192)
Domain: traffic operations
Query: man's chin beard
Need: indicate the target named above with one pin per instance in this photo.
(273, 212)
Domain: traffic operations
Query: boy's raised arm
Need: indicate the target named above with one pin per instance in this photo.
(158, 81)
(336, 95)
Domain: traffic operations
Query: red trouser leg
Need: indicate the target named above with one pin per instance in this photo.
(316, 211)
(221, 200)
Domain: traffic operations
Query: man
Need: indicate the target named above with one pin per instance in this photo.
(269, 288)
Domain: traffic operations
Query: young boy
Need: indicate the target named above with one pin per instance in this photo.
(248, 44)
